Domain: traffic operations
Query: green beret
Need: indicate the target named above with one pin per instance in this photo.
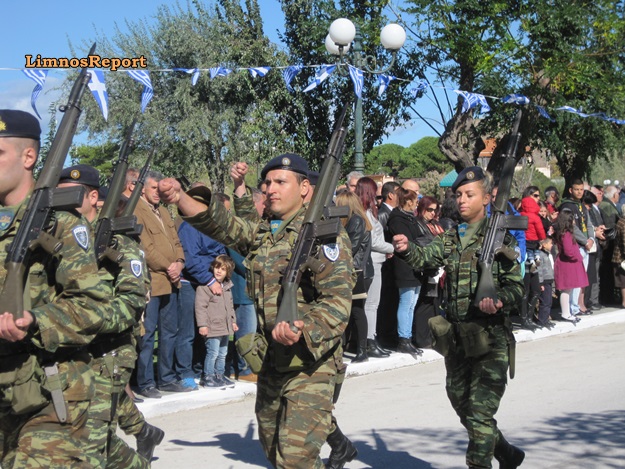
(14, 123)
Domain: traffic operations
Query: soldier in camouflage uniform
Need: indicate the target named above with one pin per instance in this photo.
(114, 349)
(297, 380)
(476, 380)
(46, 383)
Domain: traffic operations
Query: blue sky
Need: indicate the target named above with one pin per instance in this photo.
(46, 27)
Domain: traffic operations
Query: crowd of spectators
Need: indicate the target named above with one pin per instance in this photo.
(572, 258)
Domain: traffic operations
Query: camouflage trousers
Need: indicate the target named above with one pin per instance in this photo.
(129, 417)
(131, 421)
(112, 372)
(294, 411)
(475, 387)
(39, 439)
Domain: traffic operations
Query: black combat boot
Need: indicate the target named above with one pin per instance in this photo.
(343, 450)
(149, 438)
(526, 317)
(405, 346)
(374, 351)
(361, 353)
(508, 456)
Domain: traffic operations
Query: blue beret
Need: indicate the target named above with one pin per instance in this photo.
(288, 162)
(468, 175)
(14, 123)
(81, 174)
(313, 176)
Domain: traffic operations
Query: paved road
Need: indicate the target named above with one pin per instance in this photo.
(565, 408)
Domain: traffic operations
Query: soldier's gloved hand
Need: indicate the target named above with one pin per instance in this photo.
(283, 334)
(15, 330)
(400, 243)
(489, 307)
(169, 190)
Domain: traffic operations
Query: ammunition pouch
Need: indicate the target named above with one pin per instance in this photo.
(21, 385)
(252, 348)
(474, 338)
(442, 334)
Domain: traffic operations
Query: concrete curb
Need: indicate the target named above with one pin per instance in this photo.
(177, 402)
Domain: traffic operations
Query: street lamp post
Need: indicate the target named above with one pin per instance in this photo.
(341, 34)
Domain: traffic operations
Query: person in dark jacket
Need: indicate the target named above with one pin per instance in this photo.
(402, 221)
(358, 229)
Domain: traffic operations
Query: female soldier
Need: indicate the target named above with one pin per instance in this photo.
(479, 336)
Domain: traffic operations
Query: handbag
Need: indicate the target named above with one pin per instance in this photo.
(359, 292)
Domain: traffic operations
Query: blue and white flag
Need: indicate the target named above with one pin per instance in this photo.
(322, 75)
(259, 71)
(98, 88)
(289, 73)
(572, 110)
(143, 76)
(39, 77)
(516, 98)
(358, 78)
(194, 72)
(543, 112)
(421, 86)
(219, 72)
(384, 81)
(472, 100)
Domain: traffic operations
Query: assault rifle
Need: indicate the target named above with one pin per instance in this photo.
(45, 199)
(108, 224)
(321, 222)
(499, 222)
(136, 192)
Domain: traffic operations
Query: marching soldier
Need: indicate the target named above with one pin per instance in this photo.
(476, 344)
(46, 382)
(297, 380)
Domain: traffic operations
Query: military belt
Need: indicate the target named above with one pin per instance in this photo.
(101, 347)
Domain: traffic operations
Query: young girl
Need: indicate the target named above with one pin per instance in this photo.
(216, 322)
(569, 269)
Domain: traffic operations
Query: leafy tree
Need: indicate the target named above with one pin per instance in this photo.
(100, 157)
(385, 159)
(424, 156)
(197, 130)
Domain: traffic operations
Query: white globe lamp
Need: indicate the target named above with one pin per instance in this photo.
(342, 31)
(393, 37)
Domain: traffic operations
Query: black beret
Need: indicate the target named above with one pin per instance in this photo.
(103, 191)
(14, 123)
(81, 174)
(313, 176)
(468, 175)
(288, 162)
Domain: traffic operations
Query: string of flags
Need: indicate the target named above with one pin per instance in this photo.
(475, 101)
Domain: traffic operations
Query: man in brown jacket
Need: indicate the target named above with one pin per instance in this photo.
(165, 260)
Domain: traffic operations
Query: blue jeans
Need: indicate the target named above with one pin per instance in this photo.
(247, 322)
(216, 350)
(162, 312)
(408, 297)
(186, 331)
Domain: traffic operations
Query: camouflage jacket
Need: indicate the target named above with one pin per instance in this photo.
(462, 273)
(64, 292)
(324, 299)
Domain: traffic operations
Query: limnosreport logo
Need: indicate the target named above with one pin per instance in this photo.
(91, 61)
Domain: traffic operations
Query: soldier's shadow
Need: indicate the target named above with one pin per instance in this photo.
(243, 449)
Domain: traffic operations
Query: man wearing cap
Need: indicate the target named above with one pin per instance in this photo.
(43, 420)
(297, 380)
(476, 378)
(114, 349)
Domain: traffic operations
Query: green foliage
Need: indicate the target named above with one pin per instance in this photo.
(425, 156)
(100, 157)
(385, 159)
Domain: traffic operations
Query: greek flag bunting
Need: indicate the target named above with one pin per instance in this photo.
(322, 74)
(143, 76)
(515, 98)
(98, 89)
(421, 86)
(472, 100)
(384, 81)
(358, 78)
(543, 112)
(194, 72)
(39, 77)
(289, 73)
(219, 72)
(259, 71)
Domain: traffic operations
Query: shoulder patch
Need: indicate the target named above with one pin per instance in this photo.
(81, 235)
(331, 251)
(6, 218)
(136, 267)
